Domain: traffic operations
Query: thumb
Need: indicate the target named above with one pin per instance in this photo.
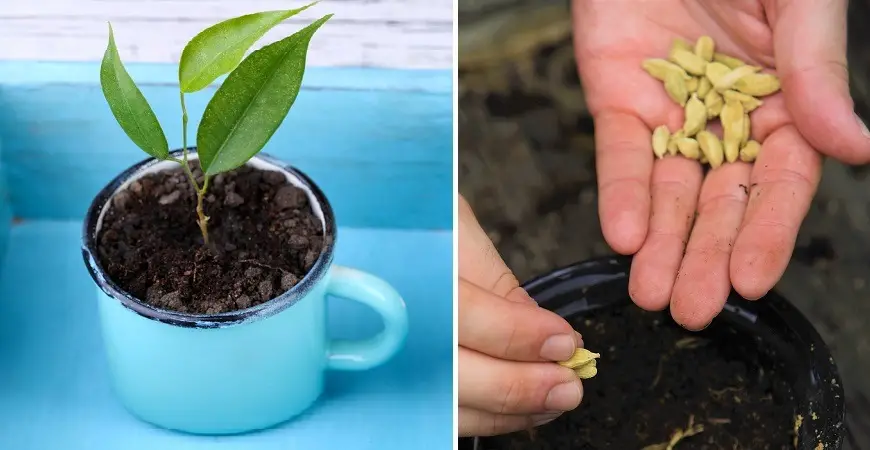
(810, 49)
(479, 261)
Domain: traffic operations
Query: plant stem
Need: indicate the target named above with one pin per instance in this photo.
(183, 127)
(202, 219)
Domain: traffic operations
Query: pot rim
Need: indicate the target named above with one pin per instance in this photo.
(610, 274)
(261, 311)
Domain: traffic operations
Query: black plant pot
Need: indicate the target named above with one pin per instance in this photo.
(807, 362)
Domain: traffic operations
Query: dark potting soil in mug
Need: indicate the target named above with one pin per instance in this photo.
(264, 235)
(652, 376)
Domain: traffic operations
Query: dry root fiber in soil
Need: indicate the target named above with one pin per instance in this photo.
(708, 84)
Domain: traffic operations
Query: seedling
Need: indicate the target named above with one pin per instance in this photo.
(244, 112)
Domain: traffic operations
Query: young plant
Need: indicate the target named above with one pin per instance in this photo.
(244, 112)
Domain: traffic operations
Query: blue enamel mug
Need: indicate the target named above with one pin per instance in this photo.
(242, 370)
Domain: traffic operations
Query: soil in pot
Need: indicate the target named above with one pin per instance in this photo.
(654, 377)
(263, 232)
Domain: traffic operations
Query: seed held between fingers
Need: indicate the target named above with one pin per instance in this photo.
(583, 363)
(580, 357)
(587, 371)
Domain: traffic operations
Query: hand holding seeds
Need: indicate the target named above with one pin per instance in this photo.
(697, 233)
(509, 378)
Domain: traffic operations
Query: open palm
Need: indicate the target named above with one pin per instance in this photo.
(696, 236)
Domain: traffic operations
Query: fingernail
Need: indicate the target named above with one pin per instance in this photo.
(579, 339)
(559, 347)
(541, 419)
(564, 397)
(864, 129)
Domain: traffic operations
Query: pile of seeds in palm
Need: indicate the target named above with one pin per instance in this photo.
(709, 84)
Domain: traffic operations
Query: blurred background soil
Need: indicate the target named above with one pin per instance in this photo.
(526, 165)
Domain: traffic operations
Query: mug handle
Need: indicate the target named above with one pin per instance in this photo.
(375, 293)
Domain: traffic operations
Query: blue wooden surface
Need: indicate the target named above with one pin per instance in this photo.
(5, 209)
(54, 392)
(378, 141)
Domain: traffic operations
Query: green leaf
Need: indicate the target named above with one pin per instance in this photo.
(253, 101)
(219, 48)
(129, 106)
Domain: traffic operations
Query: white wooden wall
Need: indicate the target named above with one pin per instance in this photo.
(367, 33)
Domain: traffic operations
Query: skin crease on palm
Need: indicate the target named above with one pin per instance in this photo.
(743, 218)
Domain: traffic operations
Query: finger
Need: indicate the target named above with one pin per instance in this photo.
(481, 423)
(624, 164)
(784, 179)
(512, 330)
(703, 284)
(510, 387)
(810, 47)
(626, 104)
(675, 186)
(771, 117)
(479, 261)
